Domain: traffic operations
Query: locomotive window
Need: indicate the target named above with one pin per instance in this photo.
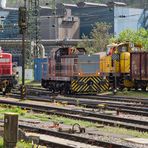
(4, 60)
(108, 50)
(122, 48)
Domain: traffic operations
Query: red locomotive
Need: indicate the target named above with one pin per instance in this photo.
(7, 78)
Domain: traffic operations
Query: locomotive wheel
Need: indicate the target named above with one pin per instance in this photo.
(4, 93)
(51, 90)
(128, 89)
(62, 92)
(121, 88)
(65, 91)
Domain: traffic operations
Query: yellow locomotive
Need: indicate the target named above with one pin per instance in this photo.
(115, 66)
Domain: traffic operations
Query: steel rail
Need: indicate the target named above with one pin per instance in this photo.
(125, 108)
(42, 91)
(73, 137)
(84, 115)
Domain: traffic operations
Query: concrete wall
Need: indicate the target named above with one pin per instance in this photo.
(59, 27)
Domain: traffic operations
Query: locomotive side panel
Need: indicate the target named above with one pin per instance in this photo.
(88, 65)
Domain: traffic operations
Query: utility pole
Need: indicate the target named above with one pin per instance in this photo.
(23, 26)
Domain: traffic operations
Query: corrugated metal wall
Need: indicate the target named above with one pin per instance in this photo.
(90, 15)
(126, 18)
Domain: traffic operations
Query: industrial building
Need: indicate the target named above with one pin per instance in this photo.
(66, 23)
(8, 22)
(49, 24)
(61, 26)
(117, 14)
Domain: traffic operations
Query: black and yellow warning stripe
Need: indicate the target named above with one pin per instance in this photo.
(23, 91)
(89, 84)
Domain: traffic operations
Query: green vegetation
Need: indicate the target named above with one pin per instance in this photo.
(69, 121)
(33, 83)
(140, 94)
(107, 129)
(20, 144)
(139, 37)
(100, 35)
(7, 108)
(23, 113)
(123, 131)
(41, 117)
(100, 38)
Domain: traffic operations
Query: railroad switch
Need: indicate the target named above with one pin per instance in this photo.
(55, 125)
(76, 128)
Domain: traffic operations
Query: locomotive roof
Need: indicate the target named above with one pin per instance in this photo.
(116, 44)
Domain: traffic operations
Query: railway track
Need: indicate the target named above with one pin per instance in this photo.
(91, 101)
(113, 98)
(44, 92)
(82, 115)
(71, 140)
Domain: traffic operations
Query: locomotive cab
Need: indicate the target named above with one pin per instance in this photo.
(116, 64)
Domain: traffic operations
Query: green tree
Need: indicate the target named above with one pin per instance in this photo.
(98, 39)
(137, 37)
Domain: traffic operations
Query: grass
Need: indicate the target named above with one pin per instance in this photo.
(6, 108)
(69, 121)
(138, 94)
(41, 117)
(22, 113)
(123, 131)
(107, 129)
(20, 144)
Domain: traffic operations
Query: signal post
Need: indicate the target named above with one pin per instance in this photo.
(23, 26)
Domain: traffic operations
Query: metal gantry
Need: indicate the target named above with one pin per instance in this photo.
(34, 27)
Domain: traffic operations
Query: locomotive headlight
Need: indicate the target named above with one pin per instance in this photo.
(79, 73)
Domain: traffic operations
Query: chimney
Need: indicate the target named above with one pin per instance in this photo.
(3, 3)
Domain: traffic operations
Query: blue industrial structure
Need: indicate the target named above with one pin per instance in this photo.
(126, 18)
(9, 23)
(143, 20)
(38, 66)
